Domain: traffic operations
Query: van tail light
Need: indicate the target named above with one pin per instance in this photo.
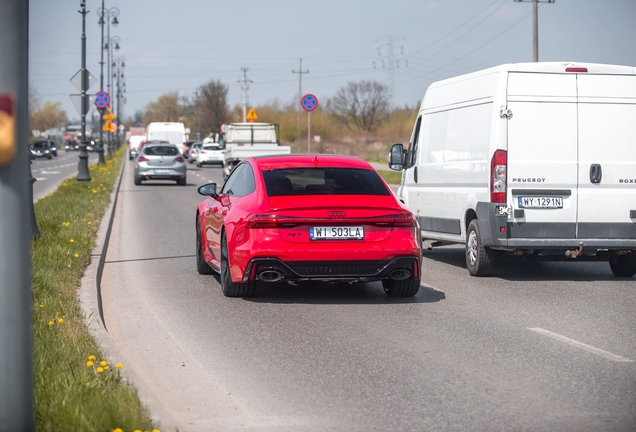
(576, 69)
(498, 173)
(142, 159)
(179, 159)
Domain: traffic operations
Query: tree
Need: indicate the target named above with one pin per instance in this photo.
(360, 105)
(164, 109)
(50, 116)
(209, 107)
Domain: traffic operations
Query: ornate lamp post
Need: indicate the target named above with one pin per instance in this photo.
(118, 65)
(82, 167)
(108, 17)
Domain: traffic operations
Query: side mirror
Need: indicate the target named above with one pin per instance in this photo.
(208, 190)
(396, 157)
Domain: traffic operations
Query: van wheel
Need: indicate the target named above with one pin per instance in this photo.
(623, 265)
(479, 259)
(229, 287)
(401, 288)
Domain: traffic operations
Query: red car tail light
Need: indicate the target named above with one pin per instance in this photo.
(179, 159)
(263, 221)
(203, 152)
(498, 172)
(142, 159)
(404, 220)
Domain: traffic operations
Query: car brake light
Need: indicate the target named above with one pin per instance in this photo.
(179, 159)
(404, 220)
(498, 181)
(203, 152)
(576, 69)
(142, 159)
(262, 221)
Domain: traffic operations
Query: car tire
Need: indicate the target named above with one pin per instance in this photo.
(138, 181)
(202, 266)
(623, 265)
(401, 288)
(49, 157)
(479, 259)
(229, 287)
(199, 165)
(182, 182)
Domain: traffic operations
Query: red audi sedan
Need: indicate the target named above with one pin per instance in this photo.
(292, 218)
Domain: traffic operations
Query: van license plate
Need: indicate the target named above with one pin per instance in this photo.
(336, 233)
(540, 202)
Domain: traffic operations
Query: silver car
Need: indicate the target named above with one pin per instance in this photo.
(194, 151)
(160, 162)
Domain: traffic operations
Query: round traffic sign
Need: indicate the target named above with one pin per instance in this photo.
(102, 99)
(224, 128)
(309, 102)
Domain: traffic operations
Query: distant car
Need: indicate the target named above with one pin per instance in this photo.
(306, 217)
(187, 146)
(194, 151)
(158, 161)
(133, 145)
(210, 154)
(50, 145)
(71, 146)
(41, 148)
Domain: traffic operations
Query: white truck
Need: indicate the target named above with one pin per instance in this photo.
(535, 160)
(250, 139)
(173, 132)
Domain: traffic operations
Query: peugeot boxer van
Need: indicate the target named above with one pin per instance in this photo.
(173, 132)
(533, 159)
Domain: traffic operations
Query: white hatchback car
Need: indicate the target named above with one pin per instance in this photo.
(210, 154)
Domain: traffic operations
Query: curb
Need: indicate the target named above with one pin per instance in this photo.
(90, 299)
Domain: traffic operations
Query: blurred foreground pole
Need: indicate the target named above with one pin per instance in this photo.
(16, 381)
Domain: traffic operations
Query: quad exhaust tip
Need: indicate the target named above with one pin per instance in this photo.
(270, 276)
(400, 274)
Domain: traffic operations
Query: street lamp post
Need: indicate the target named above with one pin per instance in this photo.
(118, 65)
(105, 15)
(83, 174)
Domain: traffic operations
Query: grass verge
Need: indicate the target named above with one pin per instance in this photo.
(75, 388)
(391, 177)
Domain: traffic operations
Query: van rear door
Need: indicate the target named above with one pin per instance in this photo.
(607, 156)
(542, 154)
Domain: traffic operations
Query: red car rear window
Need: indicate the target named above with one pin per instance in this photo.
(323, 181)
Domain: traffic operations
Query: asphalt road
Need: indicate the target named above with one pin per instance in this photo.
(50, 173)
(537, 347)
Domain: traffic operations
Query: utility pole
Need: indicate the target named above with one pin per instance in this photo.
(244, 86)
(300, 73)
(391, 61)
(535, 25)
(82, 166)
(16, 346)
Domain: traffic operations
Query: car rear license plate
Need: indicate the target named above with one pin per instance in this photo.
(162, 171)
(336, 233)
(540, 202)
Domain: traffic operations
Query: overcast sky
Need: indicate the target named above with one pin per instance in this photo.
(179, 45)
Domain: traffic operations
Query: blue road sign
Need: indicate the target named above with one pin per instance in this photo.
(102, 99)
(309, 102)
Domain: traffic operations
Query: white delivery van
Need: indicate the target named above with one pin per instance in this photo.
(534, 159)
(172, 132)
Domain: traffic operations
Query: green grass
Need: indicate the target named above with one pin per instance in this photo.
(391, 177)
(71, 394)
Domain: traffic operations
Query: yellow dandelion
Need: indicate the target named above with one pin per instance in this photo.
(51, 323)
(69, 266)
(72, 241)
(94, 191)
(119, 365)
(106, 367)
(41, 305)
(89, 363)
(60, 320)
(91, 200)
(100, 370)
(156, 430)
(90, 223)
(137, 430)
(103, 363)
(117, 430)
(76, 255)
(91, 357)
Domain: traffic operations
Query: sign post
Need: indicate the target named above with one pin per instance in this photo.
(309, 103)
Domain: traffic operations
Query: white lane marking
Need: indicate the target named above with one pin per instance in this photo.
(40, 178)
(581, 345)
(49, 172)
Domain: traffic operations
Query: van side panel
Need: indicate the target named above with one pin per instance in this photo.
(607, 138)
(542, 153)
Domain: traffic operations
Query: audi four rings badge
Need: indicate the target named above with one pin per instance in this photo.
(336, 213)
